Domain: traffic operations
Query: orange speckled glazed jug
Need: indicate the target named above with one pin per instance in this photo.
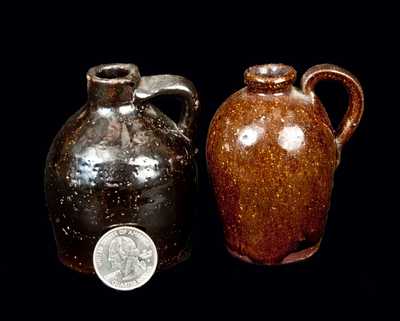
(272, 154)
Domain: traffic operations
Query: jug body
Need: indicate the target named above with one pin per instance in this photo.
(120, 161)
(271, 154)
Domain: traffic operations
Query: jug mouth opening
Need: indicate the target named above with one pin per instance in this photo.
(273, 77)
(114, 74)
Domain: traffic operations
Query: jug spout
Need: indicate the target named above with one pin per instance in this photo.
(112, 84)
(269, 78)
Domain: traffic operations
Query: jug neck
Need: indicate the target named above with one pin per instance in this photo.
(269, 78)
(112, 84)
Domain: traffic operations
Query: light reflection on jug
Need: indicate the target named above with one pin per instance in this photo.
(249, 135)
(291, 138)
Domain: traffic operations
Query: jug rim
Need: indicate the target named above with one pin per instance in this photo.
(114, 73)
(274, 76)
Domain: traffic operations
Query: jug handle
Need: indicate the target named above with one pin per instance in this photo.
(355, 108)
(157, 85)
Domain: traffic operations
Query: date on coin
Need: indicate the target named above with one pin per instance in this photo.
(125, 258)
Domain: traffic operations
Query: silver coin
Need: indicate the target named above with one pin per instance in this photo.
(125, 258)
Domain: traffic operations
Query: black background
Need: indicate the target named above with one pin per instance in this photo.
(211, 47)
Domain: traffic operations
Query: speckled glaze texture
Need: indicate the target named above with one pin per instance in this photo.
(272, 154)
(120, 161)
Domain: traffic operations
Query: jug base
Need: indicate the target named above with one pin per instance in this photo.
(74, 267)
(291, 258)
(183, 256)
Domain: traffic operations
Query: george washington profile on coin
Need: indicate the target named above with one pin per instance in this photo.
(125, 258)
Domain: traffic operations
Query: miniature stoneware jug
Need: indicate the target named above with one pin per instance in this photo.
(272, 154)
(119, 161)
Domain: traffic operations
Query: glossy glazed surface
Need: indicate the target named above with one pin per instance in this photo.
(271, 155)
(120, 161)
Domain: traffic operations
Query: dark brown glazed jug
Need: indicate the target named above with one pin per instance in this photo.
(272, 154)
(120, 161)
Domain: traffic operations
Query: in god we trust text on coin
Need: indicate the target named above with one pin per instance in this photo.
(125, 258)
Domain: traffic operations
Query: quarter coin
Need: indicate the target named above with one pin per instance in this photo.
(125, 258)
